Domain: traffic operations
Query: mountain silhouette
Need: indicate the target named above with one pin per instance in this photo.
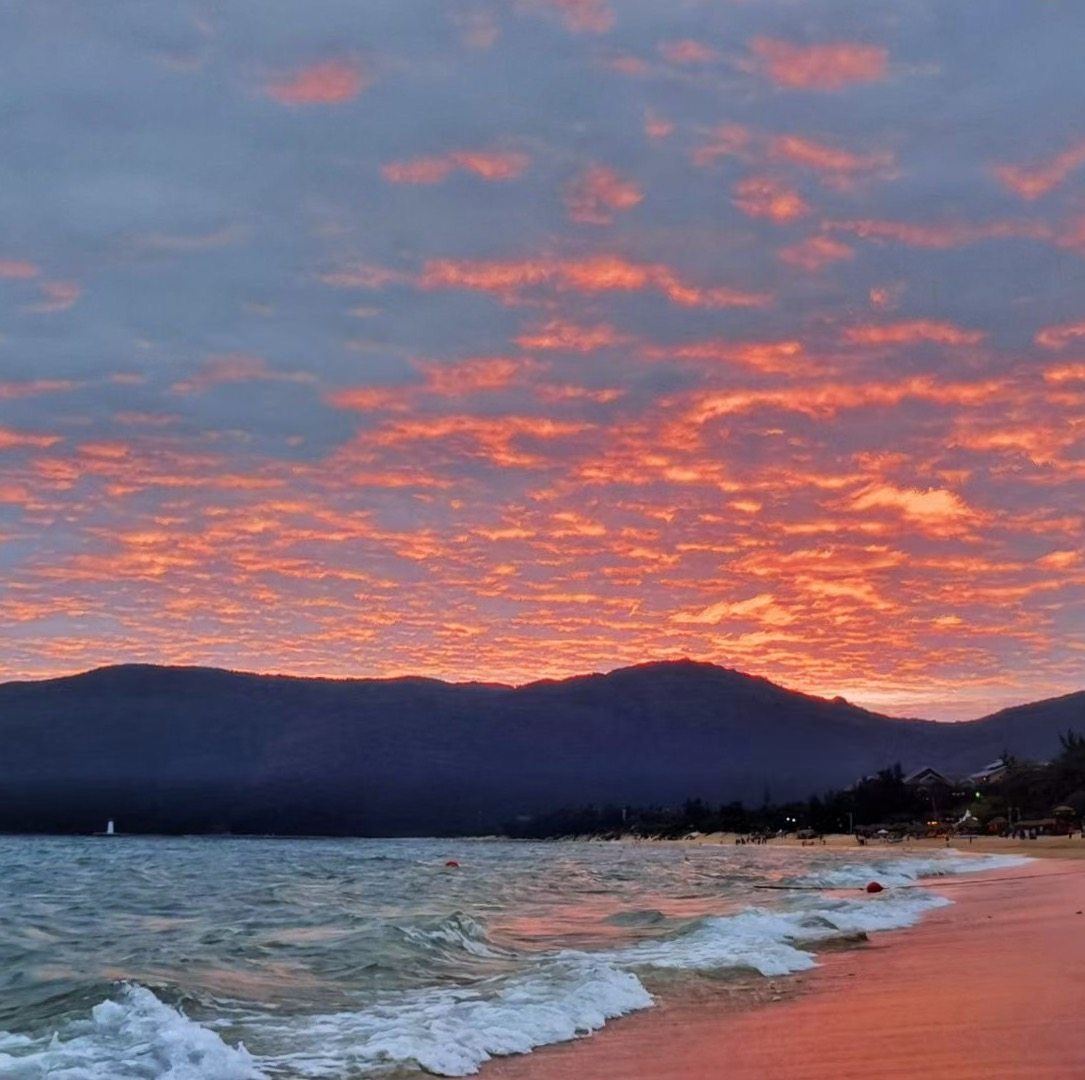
(174, 749)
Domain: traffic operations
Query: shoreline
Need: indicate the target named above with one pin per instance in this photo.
(1044, 847)
(988, 987)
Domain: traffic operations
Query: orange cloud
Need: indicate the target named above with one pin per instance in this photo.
(474, 375)
(840, 166)
(597, 193)
(494, 165)
(371, 398)
(497, 439)
(687, 51)
(936, 510)
(599, 274)
(331, 82)
(1058, 337)
(827, 399)
(819, 67)
(910, 332)
(1063, 373)
(555, 394)
(571, 337)
(1060, 560)
(1032, 181)
(10, 440)
(769, 357)
(761, 608)
(815, 253)
(479, 374)
(761, 196)
(942, 236)
(836, 167)
(17, 269)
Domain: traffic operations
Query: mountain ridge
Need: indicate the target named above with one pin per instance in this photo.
(198, 749)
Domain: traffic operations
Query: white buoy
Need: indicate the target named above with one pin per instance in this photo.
(109, 828)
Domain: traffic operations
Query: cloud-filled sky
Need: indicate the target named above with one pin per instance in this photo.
(503, 340)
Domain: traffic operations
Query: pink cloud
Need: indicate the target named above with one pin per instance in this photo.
(585, 16)
(1032, 181)
(12, 390)
(815, 253)
(657, 126)
(911, 332)
(59, 296)
(330, 82)
(598, 193)
(227, 368)
(17, 269)
(493, 165)
(1058, 337)
(10, 439)
(598, 274)
(763, 196)
(826, 67)
(687, 51)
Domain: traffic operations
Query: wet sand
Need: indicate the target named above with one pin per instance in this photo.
(991, 988)
(1060, 847)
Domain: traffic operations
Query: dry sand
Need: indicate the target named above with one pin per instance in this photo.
(992, 988)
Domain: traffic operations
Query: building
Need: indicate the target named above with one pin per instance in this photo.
(989, 774)
(927, 778)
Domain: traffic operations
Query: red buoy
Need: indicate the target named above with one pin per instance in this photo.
(875, 887)
(452, 864)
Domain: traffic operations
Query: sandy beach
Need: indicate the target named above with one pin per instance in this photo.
(988, 989)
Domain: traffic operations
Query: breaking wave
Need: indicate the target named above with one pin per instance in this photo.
(498, 1002)
(134, 1037)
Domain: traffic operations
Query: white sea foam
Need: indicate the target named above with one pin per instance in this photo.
(776, 942)
(452, 1032)
(135, 1037)
(895, 871)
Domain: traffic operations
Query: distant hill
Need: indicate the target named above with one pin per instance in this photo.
(202, 750)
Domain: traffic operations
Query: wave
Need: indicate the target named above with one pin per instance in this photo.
(776, 942)
(894, 872)
(453, 1030)
(455, 932)
(135, 1037)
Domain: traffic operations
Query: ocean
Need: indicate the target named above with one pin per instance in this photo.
(236, 959)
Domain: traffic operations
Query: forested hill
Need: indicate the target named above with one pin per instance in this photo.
(203, 750)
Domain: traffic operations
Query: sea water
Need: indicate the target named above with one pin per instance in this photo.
(236, 959)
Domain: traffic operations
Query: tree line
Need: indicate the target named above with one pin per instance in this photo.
(1023, 791)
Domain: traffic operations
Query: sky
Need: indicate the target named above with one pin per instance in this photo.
(511, 340)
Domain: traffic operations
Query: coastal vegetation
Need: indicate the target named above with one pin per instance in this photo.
(1021, 794)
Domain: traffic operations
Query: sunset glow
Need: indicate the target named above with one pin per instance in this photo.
(509, 341)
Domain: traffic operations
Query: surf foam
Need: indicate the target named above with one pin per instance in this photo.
(453, 1032)
(898, 871)
(135, 1037)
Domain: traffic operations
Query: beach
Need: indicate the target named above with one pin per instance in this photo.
(990, 987)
